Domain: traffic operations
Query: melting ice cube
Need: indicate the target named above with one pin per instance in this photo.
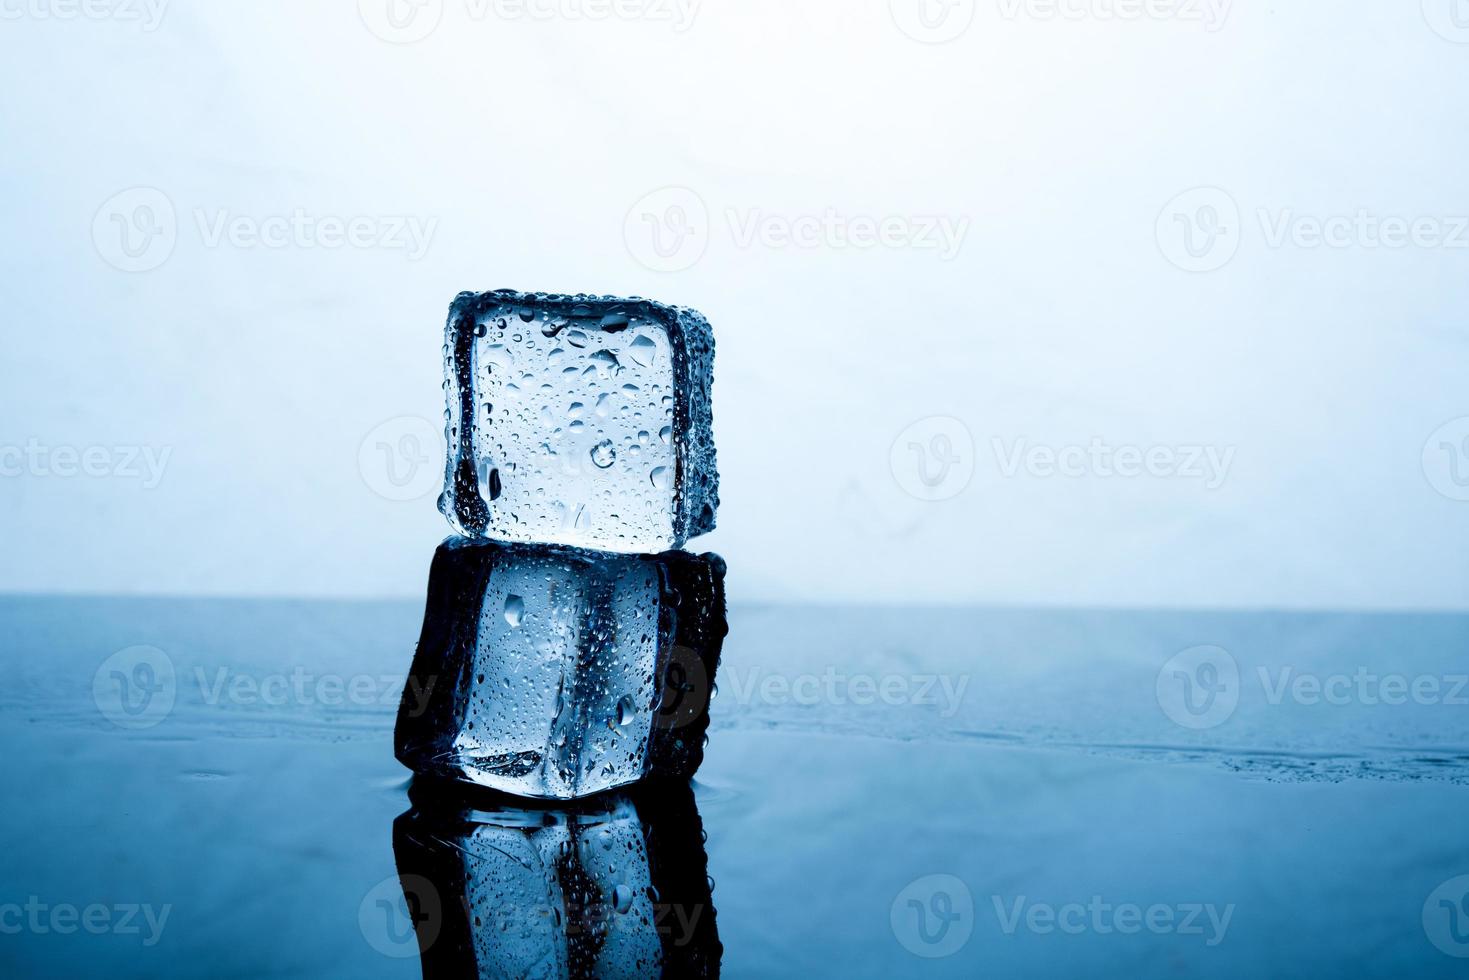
(556, 673)
(579, 420)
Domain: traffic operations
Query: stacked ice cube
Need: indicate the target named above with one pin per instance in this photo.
(566, 649)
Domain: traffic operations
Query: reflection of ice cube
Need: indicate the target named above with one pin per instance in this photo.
(555, 673)
(613, 888)
(579, 420)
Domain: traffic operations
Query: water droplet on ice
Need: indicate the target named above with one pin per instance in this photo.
(622, 899)
(514, 610)
(666, 434)
(662, 478)
(625, 711)
(644, 350)
(603, 454)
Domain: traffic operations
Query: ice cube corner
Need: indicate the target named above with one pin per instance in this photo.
(579, 420)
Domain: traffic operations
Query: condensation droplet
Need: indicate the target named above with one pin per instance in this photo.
(644, 350)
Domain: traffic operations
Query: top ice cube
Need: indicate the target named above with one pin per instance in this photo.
(579, 420)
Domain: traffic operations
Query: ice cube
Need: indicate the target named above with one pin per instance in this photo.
(556, 673)
(579, 420)
(617, 887)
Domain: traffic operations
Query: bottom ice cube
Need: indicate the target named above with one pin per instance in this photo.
(555, 673)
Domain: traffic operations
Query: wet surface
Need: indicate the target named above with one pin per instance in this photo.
(886, 792)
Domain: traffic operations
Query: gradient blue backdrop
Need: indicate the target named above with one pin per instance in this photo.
(529, 142)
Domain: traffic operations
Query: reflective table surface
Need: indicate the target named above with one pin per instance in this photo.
(207, 788)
